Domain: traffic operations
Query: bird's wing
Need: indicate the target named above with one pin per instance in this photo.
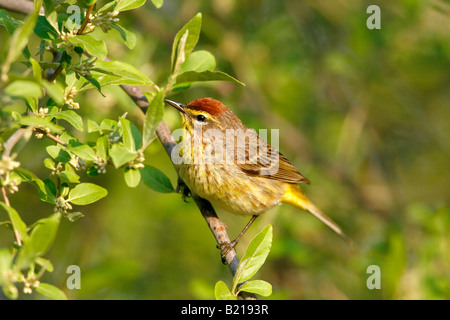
(268, 164)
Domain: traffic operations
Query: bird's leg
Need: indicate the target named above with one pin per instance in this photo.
(225, 247)
(183, 189)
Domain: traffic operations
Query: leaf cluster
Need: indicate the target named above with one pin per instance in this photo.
(38, 97)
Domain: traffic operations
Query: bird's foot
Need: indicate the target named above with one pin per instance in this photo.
(183, 189)
(225, 248)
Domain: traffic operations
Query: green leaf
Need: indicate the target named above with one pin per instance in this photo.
(127, 137)
(24, 88)
(51, 14)
(95, 84)
(69, 175)
(49, 163)
(55, 91)
(193, 27)
(157, 3)
(10, 290)
(83, 151)
(180, 56)
(255, 255)
(153, 117)
(38, 122)
(20, 37)
(51, 291)
(199, 61)
(260, 287)
(8, 22)
(131, 137)
(45, 30)
(50, 186)
(73, 216)
(94, 47)
(221, 292)
(108, 125)
(37, 71)
(67, 138)
(129, 4)
(132, 177)
(122, 71)
(58, 153)
(6, 260)
(128, 37)
(115, 73)
(92, 126)
(87, 3)
(121, 155)
(71, 117)
(155, 179)
(46, 264)
(193, 76)
(64, 187)
(16, 221)
(45, 194)
(102, 147)
(86, 193)
(40, 240)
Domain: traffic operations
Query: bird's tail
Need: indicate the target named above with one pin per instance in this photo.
(295, 196)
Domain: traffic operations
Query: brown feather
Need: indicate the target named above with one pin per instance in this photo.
(261, 163)
(285, 172)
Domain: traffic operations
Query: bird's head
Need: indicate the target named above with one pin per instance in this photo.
(206, 112)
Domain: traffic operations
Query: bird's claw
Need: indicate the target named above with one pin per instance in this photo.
(225, 248)
(183, 189)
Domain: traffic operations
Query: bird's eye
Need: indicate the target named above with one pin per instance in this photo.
(201, 118)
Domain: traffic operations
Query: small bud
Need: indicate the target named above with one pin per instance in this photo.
(27, 290)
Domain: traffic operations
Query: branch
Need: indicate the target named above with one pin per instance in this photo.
(12, 141)
(50, 136)
(16, 233)
(86, 20)
(21, 6)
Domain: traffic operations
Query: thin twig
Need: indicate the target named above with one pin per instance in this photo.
(50, 136)
(86, 20)
(16, 232)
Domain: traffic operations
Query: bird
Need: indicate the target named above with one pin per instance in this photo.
(222, 160)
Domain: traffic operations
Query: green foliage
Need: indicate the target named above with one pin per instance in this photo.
(41, 100)
(156, 179)
(362, 113)
(254, 257)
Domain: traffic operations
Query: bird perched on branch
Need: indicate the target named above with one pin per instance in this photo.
(223, 161)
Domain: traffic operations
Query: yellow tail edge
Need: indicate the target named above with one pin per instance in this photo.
(295, 196)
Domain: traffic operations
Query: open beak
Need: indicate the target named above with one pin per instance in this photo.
(176, 105)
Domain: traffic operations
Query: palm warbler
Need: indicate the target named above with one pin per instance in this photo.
(223, 161)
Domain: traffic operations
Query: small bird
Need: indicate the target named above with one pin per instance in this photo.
(225, 162)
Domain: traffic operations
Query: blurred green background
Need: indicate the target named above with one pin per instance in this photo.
(364, 114)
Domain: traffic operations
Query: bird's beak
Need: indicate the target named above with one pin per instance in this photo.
(176, 105)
